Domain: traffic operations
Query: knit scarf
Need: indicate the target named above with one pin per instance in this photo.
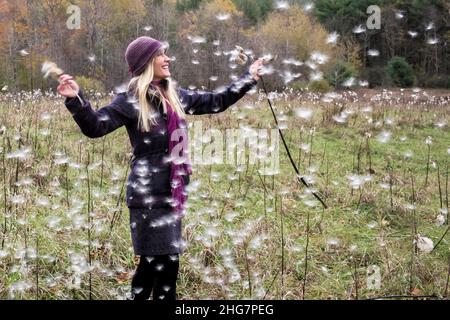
(180, 165)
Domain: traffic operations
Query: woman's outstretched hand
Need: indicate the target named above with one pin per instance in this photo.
(255, 69)
(67, 86)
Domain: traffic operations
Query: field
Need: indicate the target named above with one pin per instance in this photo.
(380, 160)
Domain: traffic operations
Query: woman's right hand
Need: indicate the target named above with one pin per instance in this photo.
(67, 86)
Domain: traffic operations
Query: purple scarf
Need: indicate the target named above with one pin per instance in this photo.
(177, 168)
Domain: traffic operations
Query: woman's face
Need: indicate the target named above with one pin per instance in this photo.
(161, 65)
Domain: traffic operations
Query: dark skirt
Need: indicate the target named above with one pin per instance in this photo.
(156, 231)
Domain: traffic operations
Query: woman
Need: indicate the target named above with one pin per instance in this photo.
(153, 111)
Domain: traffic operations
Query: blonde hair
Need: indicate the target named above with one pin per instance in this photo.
(140, 87)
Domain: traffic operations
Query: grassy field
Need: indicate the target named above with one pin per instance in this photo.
(380, 160)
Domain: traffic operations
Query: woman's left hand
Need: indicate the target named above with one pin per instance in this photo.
(255, 69)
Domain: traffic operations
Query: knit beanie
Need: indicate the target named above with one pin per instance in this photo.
(139, 53)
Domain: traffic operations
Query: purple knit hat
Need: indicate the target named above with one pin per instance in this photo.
(139, 53)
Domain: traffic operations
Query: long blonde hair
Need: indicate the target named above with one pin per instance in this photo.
(140, 87)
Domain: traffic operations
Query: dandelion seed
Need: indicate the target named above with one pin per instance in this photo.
(424, 244)
(373, 53)
(122, 88)
(213, 78)
(195, 62)
(440, 124)
(440, 220)
(104, 117)
(448, 151)
(238, 56)
(304, 113)
(165, 45)
(310, 202)
(53, 222)
(384, 185)
(268, 58)
(223, 16)
(23, 53)
(92, 58)
(357, 181)
(46, 116)
(384, 137)
(3, 254)
(159, 267)
(319, 57)
(289, 77)
(267, 70)
(349, 82)
(432, 41)
(292, 61)
(51, 69)
(26, 181)
(166, 288)
(137, 290)
(197, 39)
(333, 37)
(429, 140)
(230, 216)
(148, 28)
(399, 15)
(408, 154)
(359, 29)
(413, 34)
(372, 224)
(389, 121)
(5, 88)
(331, 96)
(18, 199)
(341, 118)
(433, 164)
(332, 243)
(363, 83)
(44, 202)
(308, 7)
(62, 160)
(316, 76)
(429, 26)
(212, 232)
(20, 287)
(281, 5)
(23, 153)
(173, 257)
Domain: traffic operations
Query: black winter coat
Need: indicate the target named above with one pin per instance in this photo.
(148, 183)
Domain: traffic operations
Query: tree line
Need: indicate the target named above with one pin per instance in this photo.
(316, 42)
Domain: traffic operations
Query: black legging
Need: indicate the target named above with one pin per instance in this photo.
(158, 274)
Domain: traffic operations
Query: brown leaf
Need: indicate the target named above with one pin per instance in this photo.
(416, 292)
(123, 277)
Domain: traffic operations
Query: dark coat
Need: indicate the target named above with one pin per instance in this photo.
(148, 183)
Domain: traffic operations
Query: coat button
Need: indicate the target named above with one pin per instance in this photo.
(167, 150)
